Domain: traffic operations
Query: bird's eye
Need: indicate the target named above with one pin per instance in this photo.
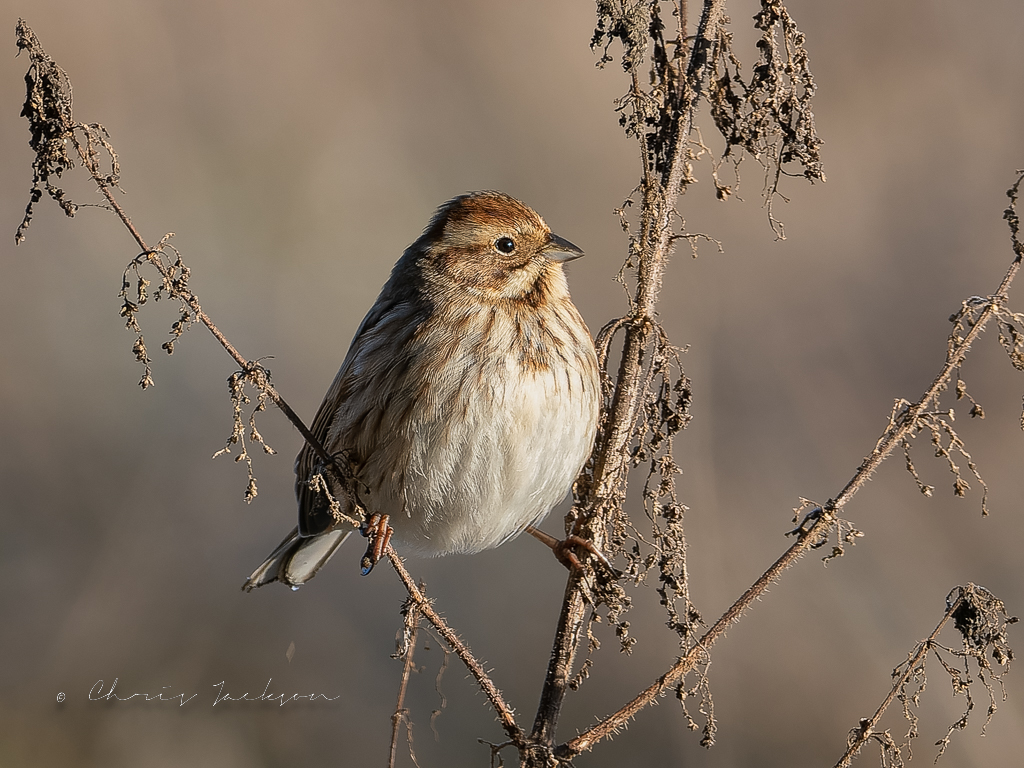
(505, 244)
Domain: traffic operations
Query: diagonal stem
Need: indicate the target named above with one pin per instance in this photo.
(503, 710)
(492, 692)
(193, 304)
(867, 726)
(890, 439)
(67, 127)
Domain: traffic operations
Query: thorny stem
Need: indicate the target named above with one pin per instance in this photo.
(28, 40)
(612, 450)
(867, 726)
(900, 428)
(193, 304)
(503, 710)
(460, 648)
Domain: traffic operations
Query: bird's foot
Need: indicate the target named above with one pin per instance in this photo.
(563, 549)
(377, 530)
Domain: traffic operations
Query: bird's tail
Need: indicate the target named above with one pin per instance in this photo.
(297, 559)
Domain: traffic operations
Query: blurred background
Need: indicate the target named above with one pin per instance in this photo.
(296, 149)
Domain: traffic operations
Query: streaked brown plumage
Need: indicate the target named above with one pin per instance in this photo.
(469, 397)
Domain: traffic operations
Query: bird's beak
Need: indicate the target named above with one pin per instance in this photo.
(559, 249)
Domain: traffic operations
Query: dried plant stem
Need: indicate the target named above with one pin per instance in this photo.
(556, 682)
(193, 304)
(905, 422)
(656, 247)
(503, 710)
(59, 123)
(867, 726)
(612, 450)
(823, 520)
(611, 724)
(401, 714)
(446, 632)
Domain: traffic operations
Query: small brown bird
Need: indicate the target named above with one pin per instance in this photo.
(469, 397)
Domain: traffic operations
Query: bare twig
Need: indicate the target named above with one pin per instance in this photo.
(505, 713)
(866, 728)
(406, 652)
(661, 119)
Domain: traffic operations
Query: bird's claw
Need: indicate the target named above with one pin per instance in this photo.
(562, 550)
(377, 530)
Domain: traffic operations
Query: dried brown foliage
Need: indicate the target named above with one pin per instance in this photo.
(48, 111)
(981, 619)
(672, 69)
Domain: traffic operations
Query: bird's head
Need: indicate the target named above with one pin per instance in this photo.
(494, 247)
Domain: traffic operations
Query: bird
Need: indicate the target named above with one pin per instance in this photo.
(469, 398)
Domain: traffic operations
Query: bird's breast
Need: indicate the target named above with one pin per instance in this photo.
(502, 414)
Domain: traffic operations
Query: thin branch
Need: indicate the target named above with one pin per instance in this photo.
(981, 619)
(193, 303)
(505, 713)
(401, 714)
(866, 728)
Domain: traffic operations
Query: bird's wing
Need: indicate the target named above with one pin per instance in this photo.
(348, 422)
